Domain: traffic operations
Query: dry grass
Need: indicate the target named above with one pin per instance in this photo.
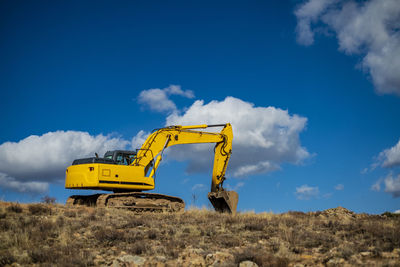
(49, 234)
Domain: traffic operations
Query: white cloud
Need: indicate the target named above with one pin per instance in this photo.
(158, 99)
(390, 157)
(236, 187)
(198, 187)
(377, 185)
(307, 14)
(177, 90)
(139, 139)
(397, 212)
(10, 183)
(339, 187)
(392, 185)
(264, 137)
(45, 157)
(369, 28)
(306, 192)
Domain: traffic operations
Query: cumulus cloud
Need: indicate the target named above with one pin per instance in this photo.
(339, 187)
(391, 183)
(139, 139)
(306, 192)
(368, 28)
(264, 137)
(198, 187)
(390, 157)
(44, 158)
(236, 187)
(377, 185)
(158, 99)
(10, 183)
(307, 14)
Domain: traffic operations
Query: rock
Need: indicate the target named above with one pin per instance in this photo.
(338, 213)
(158, 264)
(196, 262)
(198, 251)
(219, 259)
(98, 260)
(396, 251)
(133, 259)
(160, 258)
(190, 257)
(248, 264)
(306, 257)
(335, 262)
(77, 235)
(389, 255)
(365, 253)
(128, 260)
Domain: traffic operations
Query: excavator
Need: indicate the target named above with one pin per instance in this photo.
(128, 173)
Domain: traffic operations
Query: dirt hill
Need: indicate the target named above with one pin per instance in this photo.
(49, 235)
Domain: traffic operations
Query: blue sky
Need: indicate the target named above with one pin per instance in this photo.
(82, 65)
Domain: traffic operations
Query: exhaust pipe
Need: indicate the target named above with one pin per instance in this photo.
(224, 201)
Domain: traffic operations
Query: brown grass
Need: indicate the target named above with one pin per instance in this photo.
(50, 234)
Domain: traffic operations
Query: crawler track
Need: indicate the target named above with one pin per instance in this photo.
(136, 201)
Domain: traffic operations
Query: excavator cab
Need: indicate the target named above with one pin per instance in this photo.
(118, 157)
(121, 157)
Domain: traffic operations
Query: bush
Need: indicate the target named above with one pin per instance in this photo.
(48, 200)
(260, 258)
(109, 236)
(6, 258)
(39, 209)
(15, 208)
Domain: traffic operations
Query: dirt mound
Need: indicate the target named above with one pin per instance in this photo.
(339, 212)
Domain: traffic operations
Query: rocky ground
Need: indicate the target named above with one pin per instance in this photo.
(54, 235)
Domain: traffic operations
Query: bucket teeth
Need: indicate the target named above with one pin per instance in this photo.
(224, 201)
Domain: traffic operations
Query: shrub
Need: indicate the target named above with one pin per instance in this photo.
(14, 208)
(70, 213)
(6, 258)
(109, 236)
(152, 234)
(39, 209)
(40, 255)
(260, 258)
(138, 248)
(48, 200)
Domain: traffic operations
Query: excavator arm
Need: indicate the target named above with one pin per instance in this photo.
(149, 156)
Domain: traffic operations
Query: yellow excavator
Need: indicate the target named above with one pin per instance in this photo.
(129, 173)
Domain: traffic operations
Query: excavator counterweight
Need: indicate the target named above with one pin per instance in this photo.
(128, 173)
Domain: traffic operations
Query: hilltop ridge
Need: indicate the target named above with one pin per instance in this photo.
(48, 234)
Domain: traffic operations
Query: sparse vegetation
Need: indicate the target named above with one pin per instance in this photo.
(48, 200)
(48, 235)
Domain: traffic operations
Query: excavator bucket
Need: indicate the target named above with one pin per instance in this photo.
(224, 201)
